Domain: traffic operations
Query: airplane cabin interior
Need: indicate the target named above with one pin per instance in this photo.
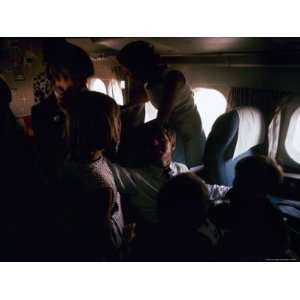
(246, 96)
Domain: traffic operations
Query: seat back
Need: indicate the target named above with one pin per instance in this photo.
(282, 133)
(235, 135)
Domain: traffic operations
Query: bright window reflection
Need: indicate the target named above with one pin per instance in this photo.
(150, 112)
(210, 104)
(97, 85)
(115, 91)
(292, 142)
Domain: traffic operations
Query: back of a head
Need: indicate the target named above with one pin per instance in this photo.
(63, 56)
(138, 54)
(94, 121)
(183, 202)
(258, 175)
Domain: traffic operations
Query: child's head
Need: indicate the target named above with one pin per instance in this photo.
(69, 67)
(94, 123)
(183, 202)
(257, 176)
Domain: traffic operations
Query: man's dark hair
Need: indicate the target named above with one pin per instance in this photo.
(137, 54)
(68, 57)
(151, 130)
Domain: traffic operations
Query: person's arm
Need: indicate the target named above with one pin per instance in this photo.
(174, 82)
(217, 192)
(137, 96)
(124, 178)
(101, 212)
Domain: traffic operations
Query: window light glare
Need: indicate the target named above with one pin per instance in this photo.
(296, 139)
(97, 85)
(115, 91)
(292, 141)
(122, 84)
(210, 104)
(150, 112)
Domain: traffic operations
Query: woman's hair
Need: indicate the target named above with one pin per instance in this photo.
(64, 57)
(138, 54)
(183, 201)
(94, 123)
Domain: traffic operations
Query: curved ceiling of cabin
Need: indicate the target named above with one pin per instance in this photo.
(229, 51)
(172, 46)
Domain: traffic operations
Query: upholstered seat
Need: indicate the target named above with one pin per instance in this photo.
(235, 135)
(282, 136)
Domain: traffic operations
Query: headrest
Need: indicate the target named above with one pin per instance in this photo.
(280, 131)
(251, 130)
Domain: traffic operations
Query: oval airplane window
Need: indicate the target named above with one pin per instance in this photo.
(115, 91)
(97, 85)
(292, 141)
(210, 104)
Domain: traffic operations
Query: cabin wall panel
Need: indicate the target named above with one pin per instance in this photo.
(222, 78)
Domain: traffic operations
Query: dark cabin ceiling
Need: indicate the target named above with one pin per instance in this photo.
(172, 46)
(218, 51)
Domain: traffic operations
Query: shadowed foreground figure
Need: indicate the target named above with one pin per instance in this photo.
(92, 223)
(68, 68)
(21, 212)
(255, 229)
(184, 233)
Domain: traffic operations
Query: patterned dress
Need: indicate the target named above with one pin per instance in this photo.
(42, 87)
(94, 176)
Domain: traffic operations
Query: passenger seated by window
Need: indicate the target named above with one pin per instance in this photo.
(170, 93)
(155, 146)
(185, 232)
(255, 228)
(68, 68)
(95, 208)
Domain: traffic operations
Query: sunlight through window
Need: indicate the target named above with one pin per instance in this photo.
(150, 112)
(115, 91)
(210, 104)
(97, 85)
(292, 142)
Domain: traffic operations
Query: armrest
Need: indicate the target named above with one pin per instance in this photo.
(197, 169)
